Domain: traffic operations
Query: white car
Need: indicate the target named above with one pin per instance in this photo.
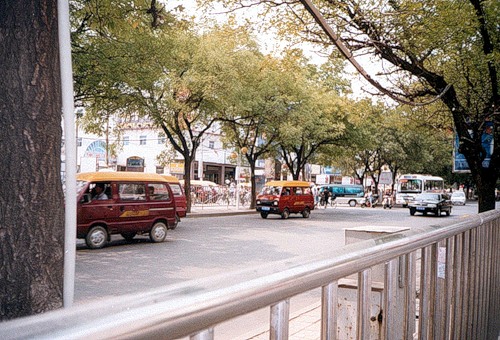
(458, 197)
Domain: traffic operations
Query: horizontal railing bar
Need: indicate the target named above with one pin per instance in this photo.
(187, 308)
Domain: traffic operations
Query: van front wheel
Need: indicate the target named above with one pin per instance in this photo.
(285, 214)
(96, 238)
(159, 232)
(263, 214)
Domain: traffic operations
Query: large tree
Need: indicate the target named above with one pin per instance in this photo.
(437, 50)
(31, 195)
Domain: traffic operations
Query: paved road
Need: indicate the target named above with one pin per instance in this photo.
(205, 246)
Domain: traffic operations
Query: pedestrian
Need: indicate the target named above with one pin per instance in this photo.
(326, 196)
(315, 192)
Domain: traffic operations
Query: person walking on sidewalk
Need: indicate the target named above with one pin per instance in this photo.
(326, 194)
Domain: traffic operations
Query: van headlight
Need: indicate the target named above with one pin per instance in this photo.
(257, 202)
(275, 203)
(432, 205)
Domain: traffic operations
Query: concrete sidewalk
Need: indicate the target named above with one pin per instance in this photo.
(218, 210)
(304, 324)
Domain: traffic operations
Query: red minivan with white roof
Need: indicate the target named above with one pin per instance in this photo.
(125, 203)
(285, 198)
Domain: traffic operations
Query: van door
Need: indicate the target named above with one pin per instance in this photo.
(298, 200)
(133, 212)
(161, 203)
(94, 210)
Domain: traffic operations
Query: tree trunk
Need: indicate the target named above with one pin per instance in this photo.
(254, 184)
(485, 185)
(187, 181)
(31, 195)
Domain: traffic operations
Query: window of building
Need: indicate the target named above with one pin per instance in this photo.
(160, 169)
(126, 140)
(211, 144)
(161, 138)
(142, 140)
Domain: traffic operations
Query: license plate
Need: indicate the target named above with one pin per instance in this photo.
(266, 208)
(420, 208)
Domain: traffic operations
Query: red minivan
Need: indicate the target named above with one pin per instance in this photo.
(285, 198)
(179, 196)
(125, 203)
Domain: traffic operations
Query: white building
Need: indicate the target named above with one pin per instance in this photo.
(139, 147)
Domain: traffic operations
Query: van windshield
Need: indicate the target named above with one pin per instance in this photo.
(271, 190)
(80, 185)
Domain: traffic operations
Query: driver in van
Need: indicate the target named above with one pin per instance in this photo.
(99, 192)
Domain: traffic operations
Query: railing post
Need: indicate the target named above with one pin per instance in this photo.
(481, 279)
(329, 311)
(472, 285)
(207, 334)
(455, 331)
(490, 314)
(465, 284)
(280, 316)
(449, 284)
(424, 307)
(441, 278)
(391, 320)
(494, 298)
(410, 295)
(364, 303)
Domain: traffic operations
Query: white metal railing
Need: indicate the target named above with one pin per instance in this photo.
(455, 292)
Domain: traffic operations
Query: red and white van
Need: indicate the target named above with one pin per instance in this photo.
(131, 203)
(285, 198)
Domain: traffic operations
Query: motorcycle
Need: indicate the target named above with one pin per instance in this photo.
(387, 202)
(370, 201)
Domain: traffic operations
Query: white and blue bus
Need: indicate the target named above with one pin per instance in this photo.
(411, 185)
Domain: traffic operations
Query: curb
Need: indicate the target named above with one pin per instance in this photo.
(219, 213)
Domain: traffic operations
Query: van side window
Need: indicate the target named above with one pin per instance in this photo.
(338, 190)
(298, 191)
(158, 192)
(132, 191)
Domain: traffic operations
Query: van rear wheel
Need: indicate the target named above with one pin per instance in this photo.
(159, 232)
(352, 203)
(285, 214)
(97, 237)
(306, 213)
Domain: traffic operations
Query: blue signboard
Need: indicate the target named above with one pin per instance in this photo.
(460, 163)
